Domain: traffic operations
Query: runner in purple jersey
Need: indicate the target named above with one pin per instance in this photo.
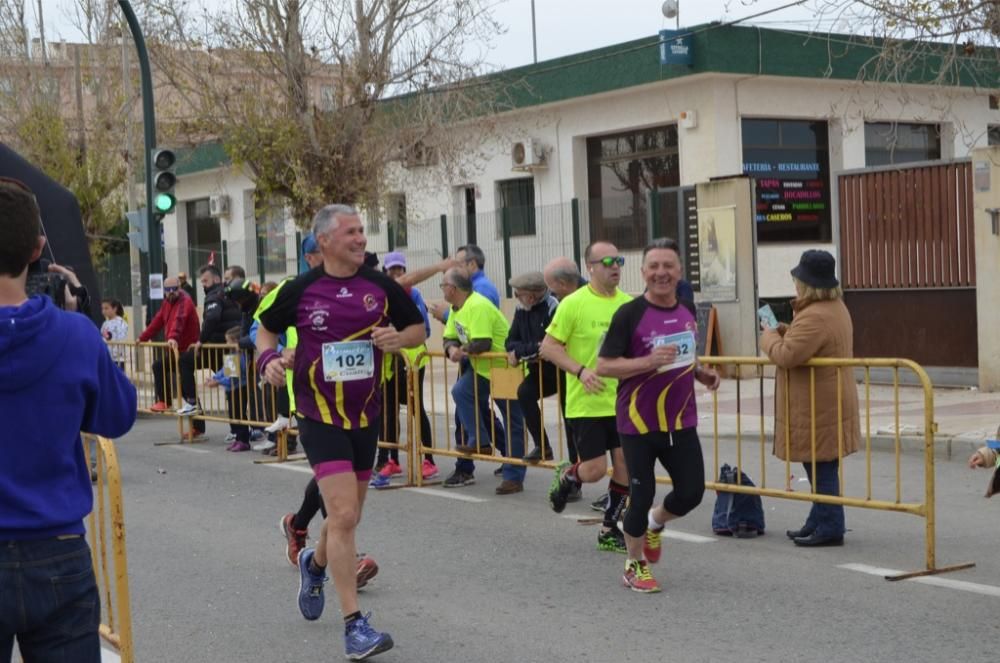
(650, 348)
(346, 316)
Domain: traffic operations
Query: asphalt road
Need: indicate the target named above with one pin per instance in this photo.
(504, 579)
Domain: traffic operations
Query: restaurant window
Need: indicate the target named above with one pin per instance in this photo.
(790, 163)
(622, 170)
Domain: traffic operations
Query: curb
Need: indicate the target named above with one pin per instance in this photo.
(945, 446)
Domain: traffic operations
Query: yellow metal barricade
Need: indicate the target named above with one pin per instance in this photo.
(252, 403)
(154, 370)
(504, 381)
(106, 535)
(744, 369)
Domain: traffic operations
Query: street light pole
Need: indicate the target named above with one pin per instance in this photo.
(534, 38)
(149, 132)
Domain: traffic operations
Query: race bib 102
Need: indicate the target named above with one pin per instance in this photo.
(685, 349)
(348, 360)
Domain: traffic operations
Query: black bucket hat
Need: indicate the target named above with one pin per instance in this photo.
(817, 269)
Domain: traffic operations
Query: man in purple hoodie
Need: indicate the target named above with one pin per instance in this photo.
(56, 379)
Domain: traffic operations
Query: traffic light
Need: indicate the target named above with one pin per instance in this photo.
(164, 181)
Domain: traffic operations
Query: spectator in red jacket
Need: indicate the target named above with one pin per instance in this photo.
(178, 319)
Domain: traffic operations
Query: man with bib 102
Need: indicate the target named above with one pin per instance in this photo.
(347, 316)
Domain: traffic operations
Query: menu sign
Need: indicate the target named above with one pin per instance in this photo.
(789, 191)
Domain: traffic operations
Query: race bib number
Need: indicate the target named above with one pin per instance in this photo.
(348, 360)
(685, 349)
(231, 366)
(463, 335)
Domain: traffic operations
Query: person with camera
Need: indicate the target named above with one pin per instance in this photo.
(56, 380)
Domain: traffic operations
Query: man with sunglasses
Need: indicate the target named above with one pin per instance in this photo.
(56, 379)
(178, 319)
(572, 342)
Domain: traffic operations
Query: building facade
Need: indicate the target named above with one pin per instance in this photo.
(607, 145)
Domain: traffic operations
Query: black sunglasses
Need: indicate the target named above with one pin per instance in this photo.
(610, 261)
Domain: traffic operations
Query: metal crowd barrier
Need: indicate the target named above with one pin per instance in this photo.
(107, 521)
(254, 403)
(504, 382)
(154, 369)
(740, 368)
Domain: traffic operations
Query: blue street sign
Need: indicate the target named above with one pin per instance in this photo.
(676, 47)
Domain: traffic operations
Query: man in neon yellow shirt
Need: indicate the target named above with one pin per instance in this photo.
(572, 342)
(476, 326)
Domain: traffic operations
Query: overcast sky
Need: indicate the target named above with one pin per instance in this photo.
(564, 27)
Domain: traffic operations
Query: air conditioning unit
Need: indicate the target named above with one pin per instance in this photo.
(218, 205)
(527, 155)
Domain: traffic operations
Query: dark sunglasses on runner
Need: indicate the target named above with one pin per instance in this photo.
(610, 261)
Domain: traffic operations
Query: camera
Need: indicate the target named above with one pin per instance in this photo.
(43, 282)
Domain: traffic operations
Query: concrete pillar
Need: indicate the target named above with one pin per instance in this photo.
(986, 196)
(737, 316)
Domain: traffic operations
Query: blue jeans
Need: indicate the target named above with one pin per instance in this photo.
(464, 392)
(827, 520)
(49, 601)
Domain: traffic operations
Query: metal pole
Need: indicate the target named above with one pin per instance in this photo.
(444, 235)
(534, 38)
(575, 212)
(135, 260)
(149, 132)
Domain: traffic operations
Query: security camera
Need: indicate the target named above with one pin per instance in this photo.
(670, 8)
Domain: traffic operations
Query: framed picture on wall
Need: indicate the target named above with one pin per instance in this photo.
(717, 253)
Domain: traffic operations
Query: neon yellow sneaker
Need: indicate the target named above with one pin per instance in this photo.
(638, 578)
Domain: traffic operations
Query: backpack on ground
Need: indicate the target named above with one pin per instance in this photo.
(737, 514)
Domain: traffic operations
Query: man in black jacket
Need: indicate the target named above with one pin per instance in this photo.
(218, 315)
(534, 313)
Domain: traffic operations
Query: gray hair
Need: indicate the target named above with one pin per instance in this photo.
(566, 273)
(662, 243)
(473, 252)
(326, 219)
(457, 278)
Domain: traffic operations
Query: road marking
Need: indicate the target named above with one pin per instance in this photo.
(935, 581)
(193, 450)
(444, 493)
(666, 534)
(108, 656)
(684, 536)
(305, 469)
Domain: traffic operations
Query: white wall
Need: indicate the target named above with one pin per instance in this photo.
(238, 229)
(711, 149)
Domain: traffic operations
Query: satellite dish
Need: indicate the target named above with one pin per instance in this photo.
(670, 8)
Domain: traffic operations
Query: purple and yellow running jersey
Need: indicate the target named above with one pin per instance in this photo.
(337, 373)
(658, 401)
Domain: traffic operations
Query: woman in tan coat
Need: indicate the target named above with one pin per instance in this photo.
(821, 327)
